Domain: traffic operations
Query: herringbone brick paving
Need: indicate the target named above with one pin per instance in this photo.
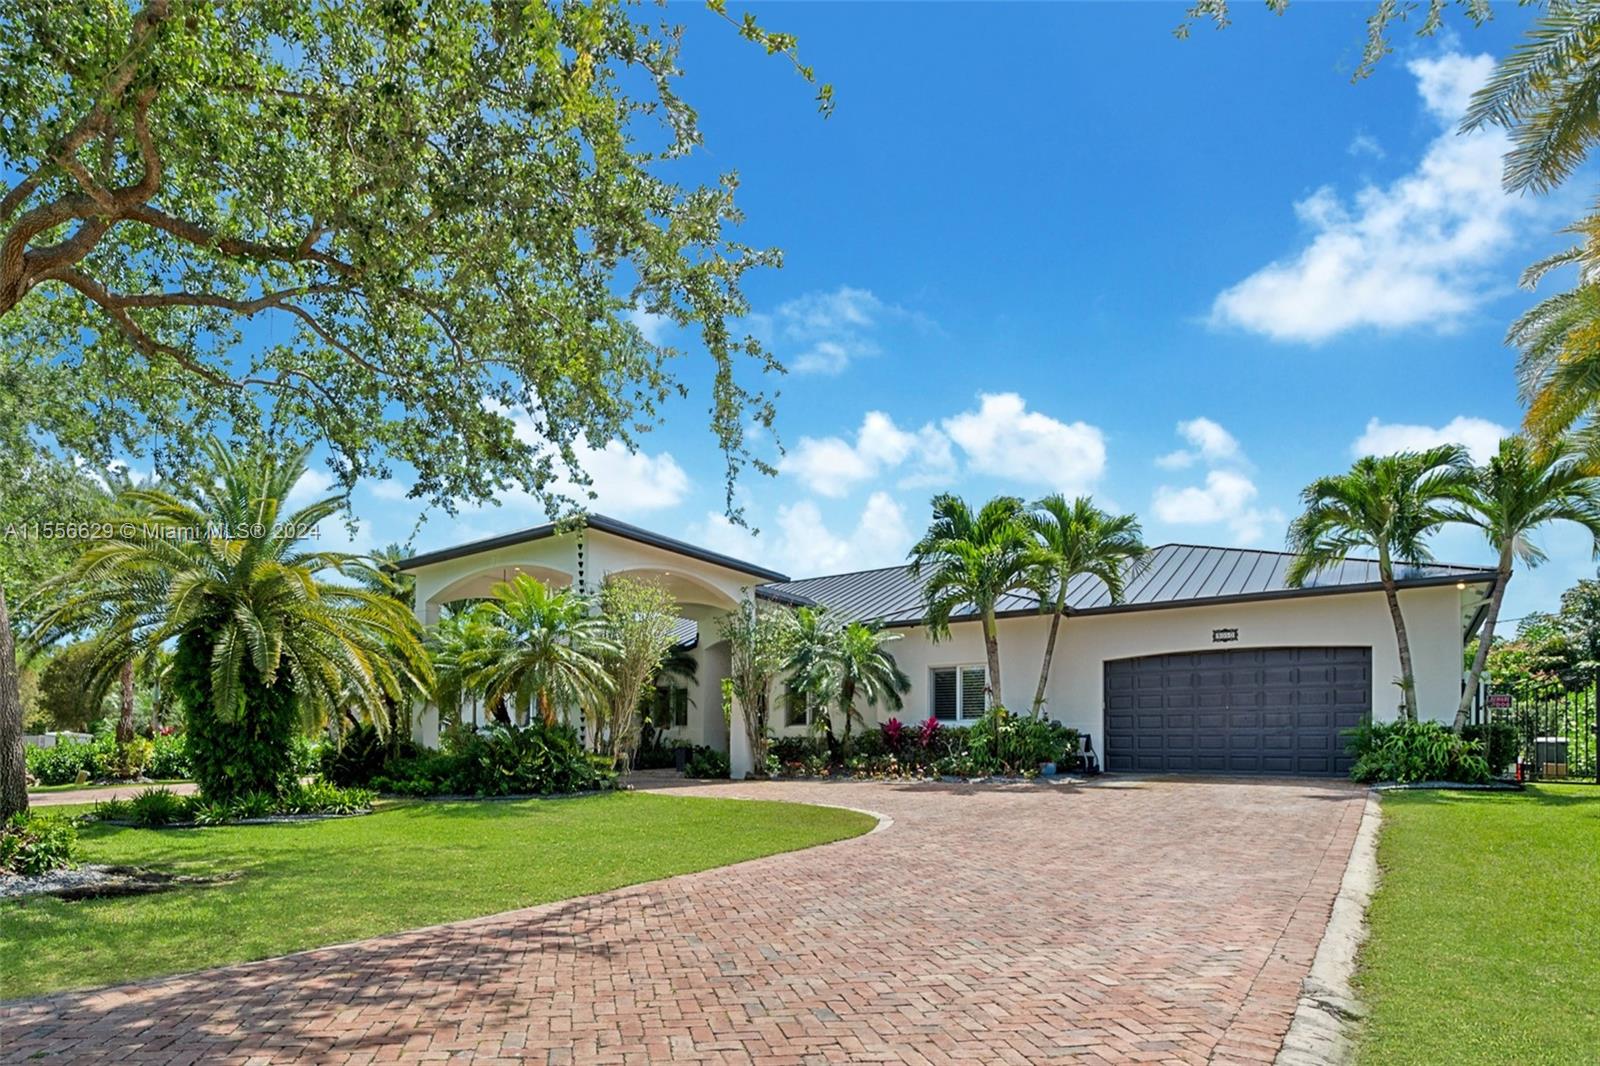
(1155, 920)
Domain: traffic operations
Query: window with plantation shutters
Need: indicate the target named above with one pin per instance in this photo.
(958, 693)
(946, 695)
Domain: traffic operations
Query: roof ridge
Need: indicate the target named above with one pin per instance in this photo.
(842, 573)
(1349, 558)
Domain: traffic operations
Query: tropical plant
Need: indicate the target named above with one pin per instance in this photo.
(1080, 539)
(758, 645)
(452, 642)
(539, 648)
(1558, 368)
(640, 622)
(263, 640)
(968, 561)
(35, 844)
(811, 643)
(1390, 505)
(863, 669)
(1520, 489)
(1407, 752)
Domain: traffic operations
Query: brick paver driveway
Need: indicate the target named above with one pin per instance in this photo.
(1128, 921)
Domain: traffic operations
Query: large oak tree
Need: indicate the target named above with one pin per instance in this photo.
(390, 227)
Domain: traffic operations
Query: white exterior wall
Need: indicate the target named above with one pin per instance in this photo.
(1076, 695)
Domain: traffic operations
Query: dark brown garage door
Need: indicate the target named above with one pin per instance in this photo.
(1247, 711)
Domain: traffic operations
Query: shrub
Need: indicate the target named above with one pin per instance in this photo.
(501, 761)
(123, 762)
(33, 844)
(157, 807)
(655, 751)
(319, 797)
(706, 763)
(428, 773)
(1415, 751)
(169, 758)
(356, 759)
(1500, 742)
(60, 765)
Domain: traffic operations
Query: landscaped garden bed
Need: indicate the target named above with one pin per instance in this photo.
(997, 746)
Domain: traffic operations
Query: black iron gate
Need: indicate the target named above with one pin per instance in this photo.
(1556, 733)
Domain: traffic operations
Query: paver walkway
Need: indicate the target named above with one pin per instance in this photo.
(1147, 920)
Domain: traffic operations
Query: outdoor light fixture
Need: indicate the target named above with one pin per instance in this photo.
(1462, 585)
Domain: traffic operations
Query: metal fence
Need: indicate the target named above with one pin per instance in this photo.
(1556, 732)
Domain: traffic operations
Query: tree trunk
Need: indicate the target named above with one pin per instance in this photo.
(991, 647)
(125, 719)
(1408, 679)
(1485, 638)
(13, 764)
(547, 713)
(1049, 653)
(847, 704)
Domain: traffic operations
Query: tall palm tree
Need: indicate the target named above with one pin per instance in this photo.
(968, 561)
(452, 643)
(811, 640)
(262, 636)
(539, 647)
(863, 669)
(1518, 490)
(1390, 505)
(1080, 538)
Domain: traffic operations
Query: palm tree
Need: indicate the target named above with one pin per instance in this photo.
(1080, 538)
(452, 643)
(968, 561)
(1559, 341)
(539, 647)
(1388, 504)
(1518, 490)
(262, 638)
(863, 669)
(811, 642)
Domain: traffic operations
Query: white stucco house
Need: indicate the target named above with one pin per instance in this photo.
(1211, 663)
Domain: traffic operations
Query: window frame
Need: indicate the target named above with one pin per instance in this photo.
(963, 717)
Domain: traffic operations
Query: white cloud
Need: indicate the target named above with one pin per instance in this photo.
(1208, 442)
(800, 543)
(627, 482)
(1480, 436)
(824, 332)
(1417, 252)
(1365, 144)
(388, 490)
(1003, 438)
(832, 466)
(314, 485)
(1228, 496)
(654, 327)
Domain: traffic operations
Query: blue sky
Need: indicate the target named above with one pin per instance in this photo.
(1050, 247)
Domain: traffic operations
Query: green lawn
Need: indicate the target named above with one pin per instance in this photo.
(410, 865)
(1485, 943)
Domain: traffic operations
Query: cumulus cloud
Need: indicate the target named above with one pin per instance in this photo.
(824, 332)
(1226, 497)
(1479, 436)
(1005, 439)
(801, 544)
(1208, 442)
(833, 466)
(313, 485)
(1416, 252)
(652, 326)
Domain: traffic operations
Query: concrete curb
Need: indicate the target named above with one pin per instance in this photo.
(1328, 1015)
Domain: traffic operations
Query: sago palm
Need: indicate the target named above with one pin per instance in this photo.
(1389, 505)
(540, 647)
(863, 669)
(264, 640)
(1079, 538)
(1520, 489)
(968, 561)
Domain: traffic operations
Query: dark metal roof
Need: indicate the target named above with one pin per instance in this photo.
(1173, 575)
(604, 525)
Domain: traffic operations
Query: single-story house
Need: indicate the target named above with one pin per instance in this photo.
(1210, 664)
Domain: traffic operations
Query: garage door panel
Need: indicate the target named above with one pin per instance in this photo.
(1243, 711)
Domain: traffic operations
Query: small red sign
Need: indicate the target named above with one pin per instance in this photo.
(1500, 701)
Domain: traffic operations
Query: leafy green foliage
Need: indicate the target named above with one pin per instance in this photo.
(360, 754)
(1407, 752)
(539, 760)
(537, 646)
(165, 757)
(69, 695)
(1500, 744)
(640, 619)
(706, 763)
(249, 746)
(465, 207)
(758, 647)
(33, 844)
(154, 808)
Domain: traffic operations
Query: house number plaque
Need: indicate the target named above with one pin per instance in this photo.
(1224, 636)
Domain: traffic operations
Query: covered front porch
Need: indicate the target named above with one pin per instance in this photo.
(706, 586)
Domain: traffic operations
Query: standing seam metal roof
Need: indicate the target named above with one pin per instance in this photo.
(1168, 576)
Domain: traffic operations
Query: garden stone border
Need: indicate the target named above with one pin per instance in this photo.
(1450, 786)
(271, 819)
(1323, 1030)
(96, 881)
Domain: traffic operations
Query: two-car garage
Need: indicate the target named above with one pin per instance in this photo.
(1236, 711)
